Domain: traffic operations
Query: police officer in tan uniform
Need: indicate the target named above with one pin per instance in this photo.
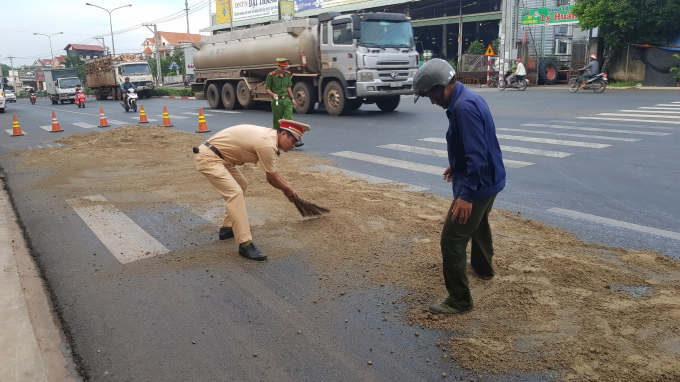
(218, 157)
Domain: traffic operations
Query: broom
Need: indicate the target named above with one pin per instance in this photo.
(308, 208)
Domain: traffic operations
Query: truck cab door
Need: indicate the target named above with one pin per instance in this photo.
(342, 48)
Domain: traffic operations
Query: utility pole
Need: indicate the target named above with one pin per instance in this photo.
(98, 38)
(14, 79)
(159, 75)
(186, 9)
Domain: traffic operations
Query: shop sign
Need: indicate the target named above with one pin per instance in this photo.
(549, 16)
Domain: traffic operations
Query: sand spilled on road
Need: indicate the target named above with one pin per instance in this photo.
(556, 303)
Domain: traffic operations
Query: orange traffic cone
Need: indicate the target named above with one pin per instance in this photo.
(16, 129)
(166, 118)
(202, 126)
(142, 115)
(102, 119)
(55, 124)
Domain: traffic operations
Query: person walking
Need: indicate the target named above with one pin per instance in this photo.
(477, 175)
(217, 158)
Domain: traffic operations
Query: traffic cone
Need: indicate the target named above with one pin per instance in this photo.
(142, 115)
(16, 129)
(102, 119)
(55, 124)
(202, 126)
(166, 118)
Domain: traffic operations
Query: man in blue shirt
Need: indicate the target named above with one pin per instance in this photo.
(477, 175)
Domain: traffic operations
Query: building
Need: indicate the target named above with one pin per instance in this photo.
(47, 62)
(168, 41)
(85, 52)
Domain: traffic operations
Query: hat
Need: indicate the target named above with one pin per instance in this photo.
(282, 61)
(296, 128)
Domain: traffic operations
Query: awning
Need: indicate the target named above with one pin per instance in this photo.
(455, 19)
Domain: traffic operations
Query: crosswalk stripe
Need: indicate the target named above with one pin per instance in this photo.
(46, 128)
(667, 105)
(11, 131)
(629, 120)
(651, 111)
(640, 115)
(84, 125)
(596, 129)
(126, 240)
(225, 111)
(657, 108)
(173, 116)
(114, 122)
(192, 113)
(589, 123)
(148, 119)
(616, 223)
(571, 135)
(419, 167)
(443, 154)
(369, 178)
(552, 141)
(514, 149)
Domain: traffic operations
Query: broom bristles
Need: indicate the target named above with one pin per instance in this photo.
(308, 208)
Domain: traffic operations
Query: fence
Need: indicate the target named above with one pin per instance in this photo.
(173, 79)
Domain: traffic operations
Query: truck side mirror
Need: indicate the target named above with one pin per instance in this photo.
(356, 27)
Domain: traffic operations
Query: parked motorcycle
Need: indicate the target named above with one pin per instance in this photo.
(516, 84)
(32, 98)
(80, 99)
(596, 83)
(130, 101)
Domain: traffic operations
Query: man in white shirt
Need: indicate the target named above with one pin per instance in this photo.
(521, 72)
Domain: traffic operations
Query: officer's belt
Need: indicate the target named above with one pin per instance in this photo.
(284, 97)
(213, 149)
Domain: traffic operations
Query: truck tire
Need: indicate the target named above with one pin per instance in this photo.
(389, 103)
(354, 104)
(119, 94)
(244, 95)
(305, 97)
(334, 98)
(547, 72)
(214, 96)
(2, 110)
(97, 94)
(229, 99)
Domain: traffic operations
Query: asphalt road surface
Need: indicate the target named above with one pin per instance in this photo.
(602, 166)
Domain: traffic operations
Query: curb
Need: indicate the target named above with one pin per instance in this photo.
(173, 97)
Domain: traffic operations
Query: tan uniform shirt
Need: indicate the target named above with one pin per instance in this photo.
(248, 144)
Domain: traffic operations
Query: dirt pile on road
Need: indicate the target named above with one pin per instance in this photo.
(555, 303)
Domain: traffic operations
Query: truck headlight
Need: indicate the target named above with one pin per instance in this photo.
(366, 77)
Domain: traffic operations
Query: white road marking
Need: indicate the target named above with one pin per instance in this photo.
(443, 154)
(370, 179)
(192, 113)
(434, 170)
(657, 108)
(61, 110)
(225, 111)
(126, 240)
(667, 105)
(596, 129)
(629, 120)
(114, 122)
(514, 149)
(641, 116)
(173, 116)
(571, 135)
(615, 124)
(651, 111)
(552, 141)
(11, 131)
(616, 223)
(46, 128)
(148, 119)
(84, 125)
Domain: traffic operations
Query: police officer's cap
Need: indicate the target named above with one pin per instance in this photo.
(282, 61)
(296, 128)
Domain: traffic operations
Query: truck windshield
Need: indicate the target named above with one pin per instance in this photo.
(386, 34)
(136, 69)
(66, 83)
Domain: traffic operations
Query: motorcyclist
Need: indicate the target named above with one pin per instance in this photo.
(521, 72)
(186, 81)
(125, 86)
(509, 74)
(593, 68)
(31, 92)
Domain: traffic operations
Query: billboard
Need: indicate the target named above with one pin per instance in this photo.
(189, 59)
(308, 5)
(223, 11)
(31, 75)
(253, 9)
(549, 16)
(287, 10)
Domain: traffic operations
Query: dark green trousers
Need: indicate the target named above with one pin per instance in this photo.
(454, 241)
(283, 111)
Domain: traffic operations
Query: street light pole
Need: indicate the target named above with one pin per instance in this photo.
(49, 37)
(113, 45)
(460, 32)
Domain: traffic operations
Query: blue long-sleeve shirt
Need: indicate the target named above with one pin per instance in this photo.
(474, 153)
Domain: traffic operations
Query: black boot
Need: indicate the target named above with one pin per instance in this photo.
(226, 233)
(251, 252)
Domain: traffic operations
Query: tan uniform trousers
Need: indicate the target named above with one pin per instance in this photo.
(231, 184)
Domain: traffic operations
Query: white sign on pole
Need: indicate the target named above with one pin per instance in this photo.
(189, 59)
(251, 9)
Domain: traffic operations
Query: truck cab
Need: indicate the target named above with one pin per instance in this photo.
(139, 73)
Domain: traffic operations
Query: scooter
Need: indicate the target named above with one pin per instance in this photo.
(131, 101)
(32, 98)
(596, 83)
(80, 99)
(517, 84)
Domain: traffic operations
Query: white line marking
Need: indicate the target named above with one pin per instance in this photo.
(571, 135)
(192, 113)
(46, 128)
(597, 129)
(651, 111)
(225, 111)
(10, 131)
(148, 119)
(657, 108)
(443, 154)
(173, 116)
(553, 141)
(667, 104)
(615, 124)
(114, 122)
(641, 115)
(61, 110)
(434, 170)
(513, 149)
(616, 223)
(126, 240)
(84, 125)
(629, 120)
(370, 179)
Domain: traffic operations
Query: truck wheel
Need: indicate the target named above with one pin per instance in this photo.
(388, 104)
(334, 98)
(97, 94)
(214, 97)
(229, 99)
(245, 96)
(2, 110)
(305, 97)
(55, 102)
(354, 104)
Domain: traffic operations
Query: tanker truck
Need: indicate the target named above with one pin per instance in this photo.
(338, 61)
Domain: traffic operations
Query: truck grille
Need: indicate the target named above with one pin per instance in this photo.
(401, 76)
(393, 63)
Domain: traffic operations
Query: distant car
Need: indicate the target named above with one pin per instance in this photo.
(10, 96)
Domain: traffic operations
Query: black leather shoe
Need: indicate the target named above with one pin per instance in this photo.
(299, 144)
(252, 253)
(226, 233)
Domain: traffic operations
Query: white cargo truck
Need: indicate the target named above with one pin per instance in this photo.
(61, 85)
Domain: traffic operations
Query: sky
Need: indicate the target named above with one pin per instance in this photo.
(80, 23)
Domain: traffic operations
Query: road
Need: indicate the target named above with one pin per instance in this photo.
(601, 166)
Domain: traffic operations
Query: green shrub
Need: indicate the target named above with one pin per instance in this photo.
(676, 68)
(476, 47)
(172, 92)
